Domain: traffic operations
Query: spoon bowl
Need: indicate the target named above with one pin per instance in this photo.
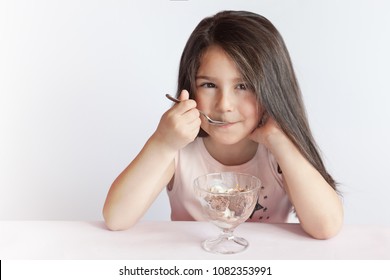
(210, 120)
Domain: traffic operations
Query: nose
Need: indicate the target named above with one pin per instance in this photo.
(225, 101)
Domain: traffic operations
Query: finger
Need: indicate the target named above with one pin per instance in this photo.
(190, 116)
(185, 104)
(184, 95)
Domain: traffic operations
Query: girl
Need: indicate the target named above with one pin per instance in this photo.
(235, 67)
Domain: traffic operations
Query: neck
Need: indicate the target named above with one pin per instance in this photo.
(235, 154)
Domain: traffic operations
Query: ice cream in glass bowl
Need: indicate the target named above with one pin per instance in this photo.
(227, 200)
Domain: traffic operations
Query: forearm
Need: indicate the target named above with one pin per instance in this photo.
(317, 204)
(138, 185)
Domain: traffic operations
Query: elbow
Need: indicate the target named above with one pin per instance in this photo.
(114, 223)
(326, 233)
(111, 225)
(326, 229)
(323, 227)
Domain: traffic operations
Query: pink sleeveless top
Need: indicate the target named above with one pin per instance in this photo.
(194, 160)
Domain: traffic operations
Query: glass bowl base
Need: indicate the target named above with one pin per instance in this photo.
(225, 244)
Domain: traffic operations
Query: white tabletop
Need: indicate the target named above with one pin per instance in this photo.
(181, 240)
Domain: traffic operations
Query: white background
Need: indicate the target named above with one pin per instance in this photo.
(82, 87)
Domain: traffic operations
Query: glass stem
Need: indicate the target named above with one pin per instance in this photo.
(228, 233)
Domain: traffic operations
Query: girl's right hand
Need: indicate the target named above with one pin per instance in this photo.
(180, 125)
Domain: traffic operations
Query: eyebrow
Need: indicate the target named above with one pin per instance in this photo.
(203, 77)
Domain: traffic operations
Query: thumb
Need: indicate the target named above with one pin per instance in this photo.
(184, 95)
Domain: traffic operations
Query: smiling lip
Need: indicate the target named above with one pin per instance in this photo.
(227, 124)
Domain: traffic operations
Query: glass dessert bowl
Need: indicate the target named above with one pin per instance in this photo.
(227, 199)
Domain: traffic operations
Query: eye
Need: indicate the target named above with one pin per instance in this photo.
(242, 86)
(208, 85)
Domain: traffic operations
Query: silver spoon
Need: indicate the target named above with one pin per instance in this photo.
(211, 121)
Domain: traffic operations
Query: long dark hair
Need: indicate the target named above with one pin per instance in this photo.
(260, 54)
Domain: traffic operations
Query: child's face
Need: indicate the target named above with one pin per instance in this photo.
(223, 95)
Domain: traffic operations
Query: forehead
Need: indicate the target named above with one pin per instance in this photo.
(216, 62)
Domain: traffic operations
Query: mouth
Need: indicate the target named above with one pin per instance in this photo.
(227, 124)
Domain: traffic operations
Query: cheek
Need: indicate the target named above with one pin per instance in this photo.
(198, 100)
(251, 110)
(202, 104)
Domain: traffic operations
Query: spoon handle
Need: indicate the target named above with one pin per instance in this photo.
(211, 121)
(172, 98)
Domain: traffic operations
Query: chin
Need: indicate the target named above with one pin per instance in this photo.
(229, 140)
